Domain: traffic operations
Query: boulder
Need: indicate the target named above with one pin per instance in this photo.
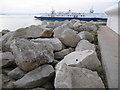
(16, 73)
(82, 59)
(34, 31)
(61, 54)
(3, 40)
(88, 26)
(85, 45)
(36, 77)
(5, 32)
(74, 77)
(67, 24)
(55, 42)
(51, 24)
(7, 59)
(69, 38)
(29, 55)
(6, 81)
(58, 31)
(86, 36)
(57, 23)
(76, 25)
(47, 32)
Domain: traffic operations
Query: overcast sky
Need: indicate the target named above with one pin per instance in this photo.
(40, 6)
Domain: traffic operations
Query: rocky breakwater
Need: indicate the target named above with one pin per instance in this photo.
(51, 55)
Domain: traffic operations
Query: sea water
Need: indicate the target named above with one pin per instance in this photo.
(14, 22)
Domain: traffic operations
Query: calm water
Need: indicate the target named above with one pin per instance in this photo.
(14, 22)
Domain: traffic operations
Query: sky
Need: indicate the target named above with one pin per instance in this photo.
(43, 6)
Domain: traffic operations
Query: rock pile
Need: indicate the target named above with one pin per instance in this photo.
(59, 54)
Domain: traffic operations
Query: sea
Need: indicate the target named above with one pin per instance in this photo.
(14, 22)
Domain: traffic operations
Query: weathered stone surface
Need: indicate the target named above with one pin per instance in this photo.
(68, 24)
(47, 32)
(49, 85)
(55, 42)
(77, 25)
(74, 77)
(35, 78)
(33, 31)
(16, 73)
(57, 23)
(38, 89)
(6, 81)
(83, 59)
(58, 31)
(7, 59)
(86, 36)
(69, 38)
(88, 26)
(61, 54)
(85, 45)
(55, 62)
(5, 32)
(29, 55)
(3, 40)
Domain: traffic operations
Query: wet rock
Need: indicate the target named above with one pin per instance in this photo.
(69, 38)
(61, 54)
(74, 77)
(16, 73)
(86, 36)
(55, 42)
(85, 45)
(35, 78)
(83, 59)
(29, 55)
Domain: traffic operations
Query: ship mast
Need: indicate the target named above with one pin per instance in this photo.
(91, 10)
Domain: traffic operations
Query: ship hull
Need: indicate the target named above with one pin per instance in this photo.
(69, 18)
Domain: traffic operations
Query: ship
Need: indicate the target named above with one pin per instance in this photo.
(61, 16)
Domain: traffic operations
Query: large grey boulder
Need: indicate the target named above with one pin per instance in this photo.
(55, 42)
(61, 54)
(67, 24)
(74, 77)
(58, 31)
(29, 55)
(57, 23)
(86, 36)
(33, 31)
(76, 25)
(7, 59)
(5, 32)
(3, 40)
(88, 26)
(16, 73)
(69, 38)
(82, 59)
(85, 45)
(35, 78)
